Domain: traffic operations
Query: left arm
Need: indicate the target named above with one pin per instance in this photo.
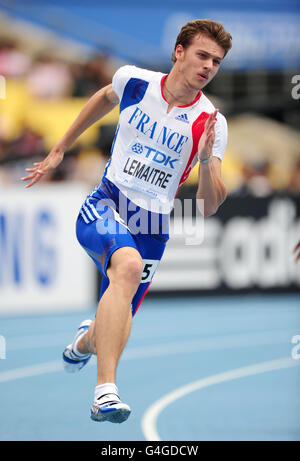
(211, 189)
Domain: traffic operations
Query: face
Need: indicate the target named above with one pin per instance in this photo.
(199, 62)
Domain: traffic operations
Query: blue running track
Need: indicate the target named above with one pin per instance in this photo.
(211, 368)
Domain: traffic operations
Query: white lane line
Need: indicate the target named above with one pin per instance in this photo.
(129, 354)
(39, 341)
(149, 419)
(229, 341)
(245, 339)
(33, 370)
(159, 350)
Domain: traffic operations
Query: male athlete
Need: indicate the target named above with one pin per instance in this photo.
(166, 125)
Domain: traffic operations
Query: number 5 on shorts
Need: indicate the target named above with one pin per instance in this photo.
(149, 267)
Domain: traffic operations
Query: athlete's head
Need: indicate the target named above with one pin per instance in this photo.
(200, 47)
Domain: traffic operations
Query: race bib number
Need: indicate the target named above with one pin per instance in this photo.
(149, 268)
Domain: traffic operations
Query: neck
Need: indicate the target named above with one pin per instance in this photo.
(177, 91)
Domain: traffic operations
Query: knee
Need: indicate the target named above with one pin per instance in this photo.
(128, 271)
(135, 268)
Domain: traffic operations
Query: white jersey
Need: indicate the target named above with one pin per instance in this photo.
(154, 151)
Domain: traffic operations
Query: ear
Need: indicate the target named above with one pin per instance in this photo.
(179, 51)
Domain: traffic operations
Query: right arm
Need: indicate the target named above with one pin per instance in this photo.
(100, 104)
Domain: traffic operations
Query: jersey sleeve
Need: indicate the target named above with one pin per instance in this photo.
(221, 131)
(120, 78)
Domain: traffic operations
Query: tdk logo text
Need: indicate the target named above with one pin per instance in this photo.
(164, 136)
(154, 155)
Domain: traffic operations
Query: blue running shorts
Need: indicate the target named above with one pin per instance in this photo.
(108, 220)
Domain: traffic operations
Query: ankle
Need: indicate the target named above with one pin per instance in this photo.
(104, 389)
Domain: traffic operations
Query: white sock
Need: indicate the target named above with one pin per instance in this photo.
(108, 391)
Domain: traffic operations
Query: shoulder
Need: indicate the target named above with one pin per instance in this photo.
(208, 106)
(129, 71)
(222, 122)
(132, 75)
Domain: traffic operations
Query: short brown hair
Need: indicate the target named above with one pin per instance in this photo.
(211, 29)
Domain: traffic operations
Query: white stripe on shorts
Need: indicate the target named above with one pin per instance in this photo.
(88, 213)
(93, 209)
(84, 217)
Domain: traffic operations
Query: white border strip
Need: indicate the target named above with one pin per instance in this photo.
(149, 419)
(33, 370)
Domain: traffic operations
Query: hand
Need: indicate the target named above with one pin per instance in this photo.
(208, 137)
(297, 251)
(40, 168)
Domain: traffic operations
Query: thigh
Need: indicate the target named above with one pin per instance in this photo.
(101, 239)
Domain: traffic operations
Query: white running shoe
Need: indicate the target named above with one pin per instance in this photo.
(71, 361)
(110, 408)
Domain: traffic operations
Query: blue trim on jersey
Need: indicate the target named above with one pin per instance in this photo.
(134, 92)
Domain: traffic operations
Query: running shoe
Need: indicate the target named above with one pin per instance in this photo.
(110, 408)
(71, 361)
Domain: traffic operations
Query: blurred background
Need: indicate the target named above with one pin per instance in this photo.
(54, 55)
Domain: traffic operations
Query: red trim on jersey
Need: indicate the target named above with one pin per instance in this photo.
(187, 105)
(197, 130)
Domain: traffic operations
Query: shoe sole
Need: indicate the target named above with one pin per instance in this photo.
(73, 366)
(112, 415)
